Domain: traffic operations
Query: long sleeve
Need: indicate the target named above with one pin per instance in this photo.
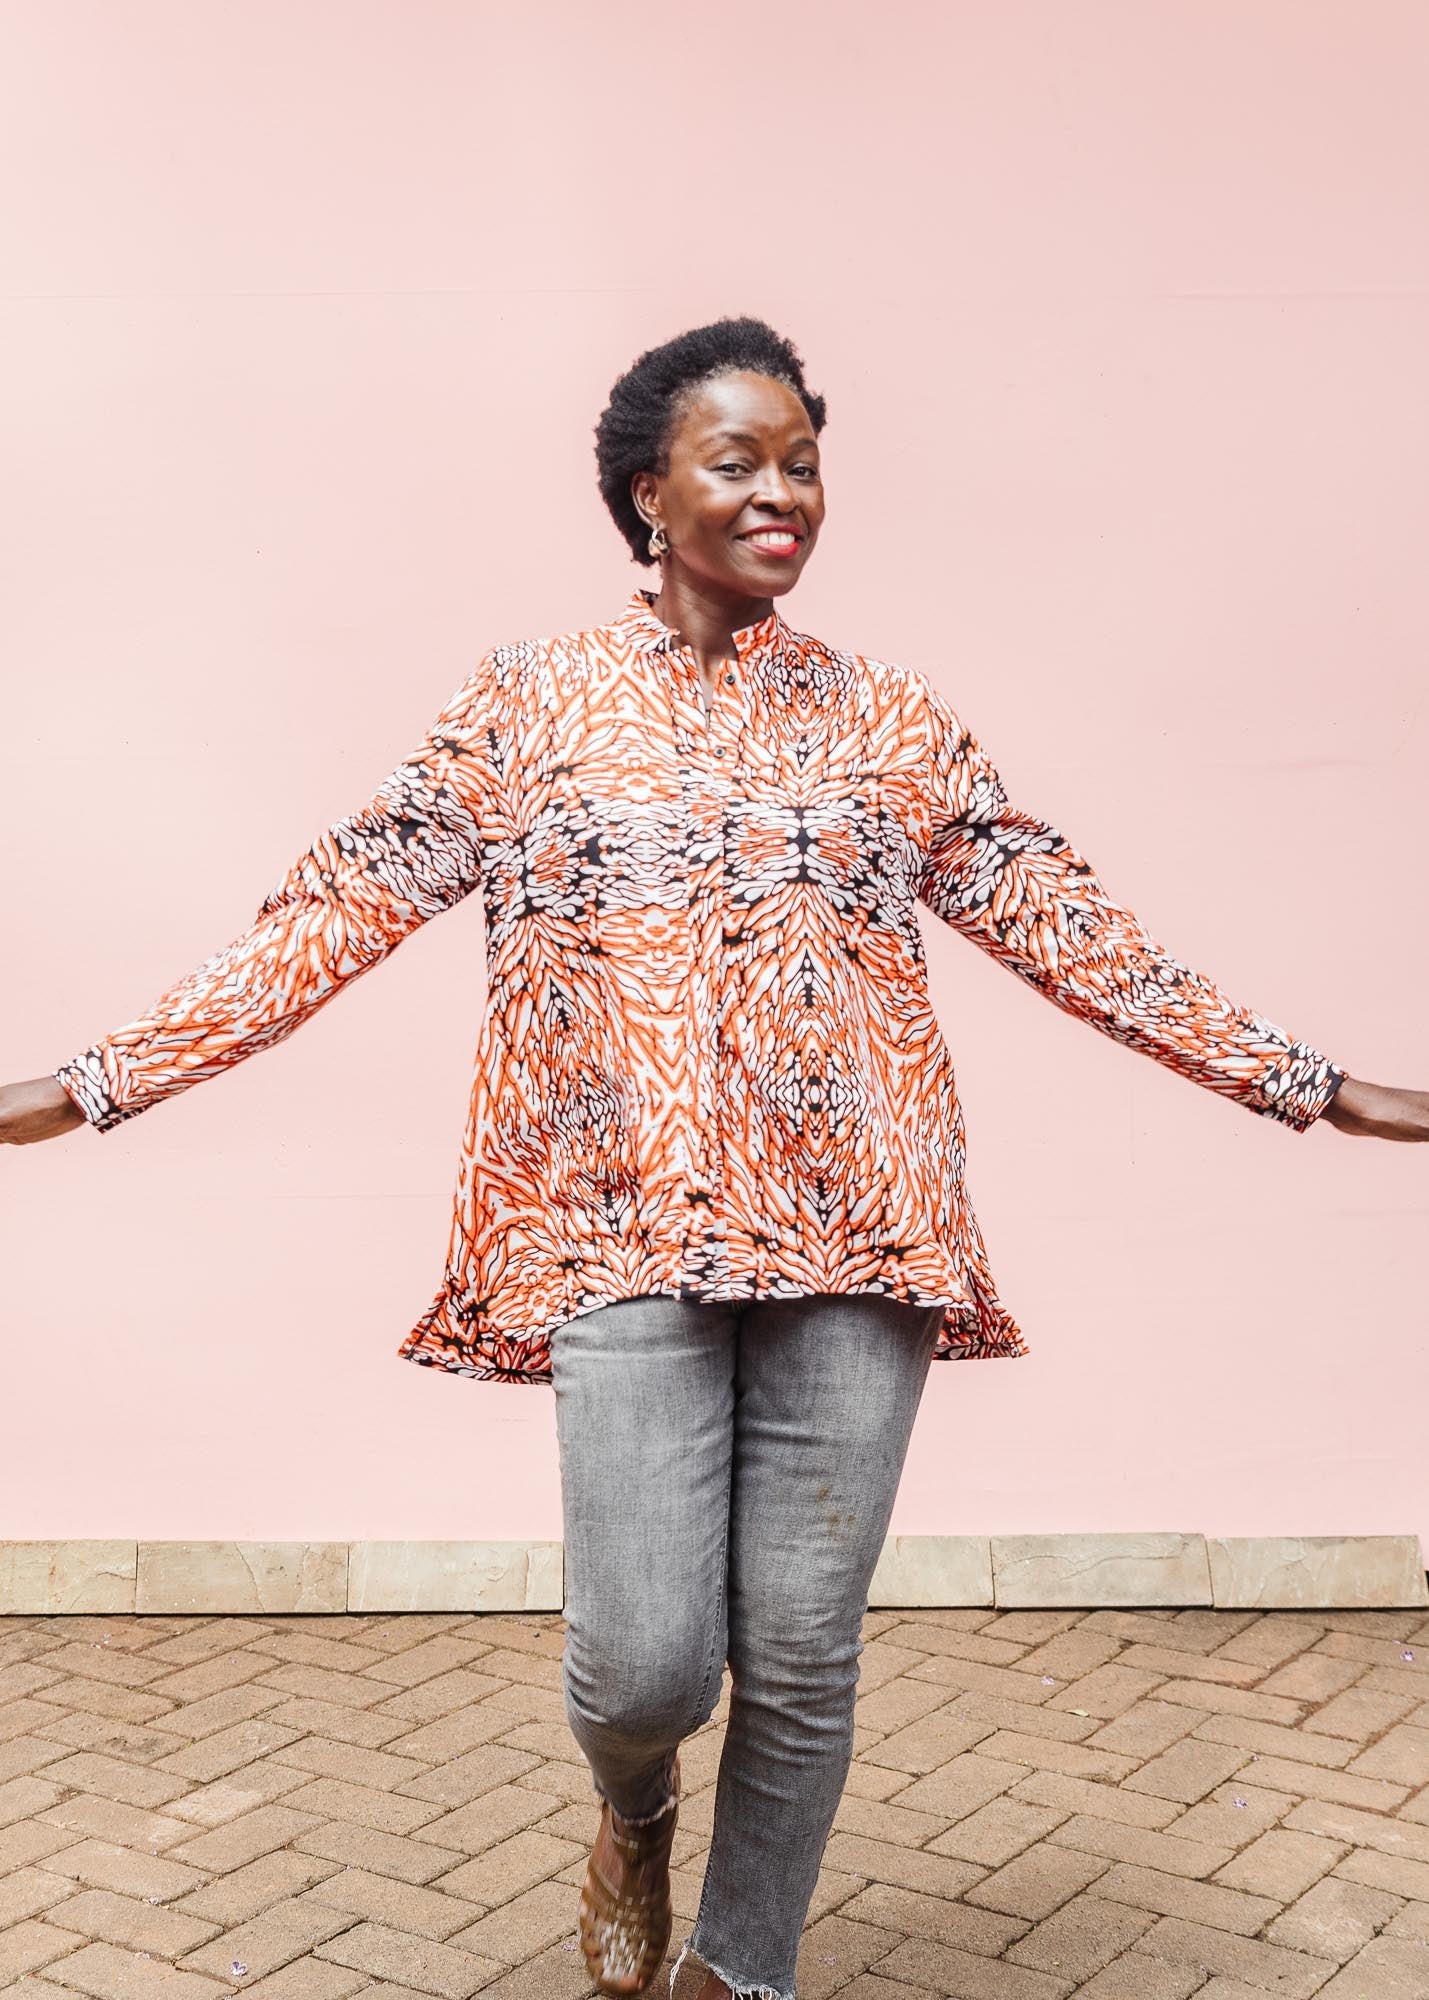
(1017, 888)
(366, 882)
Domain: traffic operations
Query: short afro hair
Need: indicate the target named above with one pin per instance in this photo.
(633, 434)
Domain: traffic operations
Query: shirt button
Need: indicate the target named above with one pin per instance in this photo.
(719, 749)
(729, 680)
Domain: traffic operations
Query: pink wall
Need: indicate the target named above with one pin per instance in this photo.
(308, 313)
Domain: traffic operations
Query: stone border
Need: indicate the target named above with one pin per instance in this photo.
(1006, 1572)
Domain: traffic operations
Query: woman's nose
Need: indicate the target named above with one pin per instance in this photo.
(775, 491)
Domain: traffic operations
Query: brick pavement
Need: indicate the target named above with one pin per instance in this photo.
(1126, 1805)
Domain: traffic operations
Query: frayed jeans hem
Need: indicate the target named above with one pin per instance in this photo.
(737, 1992)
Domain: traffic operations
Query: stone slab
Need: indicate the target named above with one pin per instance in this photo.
(942, 1570)
(1079, 1571)
(39, 1579)
(1309, 1572)
(455, 1576)
(242, 1576)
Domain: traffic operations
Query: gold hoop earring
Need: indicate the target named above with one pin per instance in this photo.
(659, 543)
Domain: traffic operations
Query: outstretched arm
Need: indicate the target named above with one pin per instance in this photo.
(1017, 888)
(366, 882)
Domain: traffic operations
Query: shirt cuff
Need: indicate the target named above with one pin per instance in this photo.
(1297, 1087)
(86, 1082)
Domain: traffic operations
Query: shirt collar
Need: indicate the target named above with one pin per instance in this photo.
(768, 636)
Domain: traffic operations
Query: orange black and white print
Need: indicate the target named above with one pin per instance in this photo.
(708, 1068)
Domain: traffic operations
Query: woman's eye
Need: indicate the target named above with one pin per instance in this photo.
(729, 466)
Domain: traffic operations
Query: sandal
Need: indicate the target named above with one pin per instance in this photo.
(624, 1933)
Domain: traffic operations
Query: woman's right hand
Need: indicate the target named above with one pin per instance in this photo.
(38, 1109)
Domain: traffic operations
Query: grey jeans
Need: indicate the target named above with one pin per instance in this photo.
(727, 1477)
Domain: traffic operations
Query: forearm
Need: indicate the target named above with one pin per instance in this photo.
(1379, 1111)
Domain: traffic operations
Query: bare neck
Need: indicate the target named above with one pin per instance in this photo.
(705, 620)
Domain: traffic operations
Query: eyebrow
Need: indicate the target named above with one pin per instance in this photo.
(744, 437)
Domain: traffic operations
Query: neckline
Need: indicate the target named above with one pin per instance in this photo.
(768, 635)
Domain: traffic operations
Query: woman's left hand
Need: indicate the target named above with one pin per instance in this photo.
(1376, 1111)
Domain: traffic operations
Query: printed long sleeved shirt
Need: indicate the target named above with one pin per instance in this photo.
(708, 1067)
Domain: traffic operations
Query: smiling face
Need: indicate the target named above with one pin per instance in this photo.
(742, 499)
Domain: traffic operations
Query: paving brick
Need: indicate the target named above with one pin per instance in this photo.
(24, 1947)
(1411, 1922)
(1106, 1693)
(110, 1778)
(308, 1978)
(1233, 1815)
(1074, 1760)
(1212, 1668)
(1334, 1919)
(1386, 1871)
(1266, 1739)
(1080, 1938)
(1187, 1771)
(1354, 1828)
(220, 1711)
(1340, 1788)
(420, 1962)
(527, 1924)
(21, 1755)
(831, 1952)
(286, 1931)
(1281, 1865)
(1358, 1714)
(961, 1975)
(997, 1831)
(22, 1798)
(1292, 1975)
(431, 1700)
(361, 1805)
(1081, 1795)
(1037, 1882)
(83, 1816)
(236, 1897)
(1146, 1849)
(1136, 1978)
(881, 1821)
(1401, 1757)
(458, 1780)
(215, 1756)
(930, 1743)
(960, 1786)
(28, 1891)
(133, 1922)
(30, 1840)
(242, 1792)
(383, 1853)
(350, 1763)
(1178, 1896)
(109, 1973)
(495, 1816)
(897, 1913)
(1312, 1677)
(99, 1864)
(897, 1706)
(907, 1868)
(517, 1864)
(433, 1913)
(342, 1725)
(246, 1838)
(1387, 1969)
(869, 1986)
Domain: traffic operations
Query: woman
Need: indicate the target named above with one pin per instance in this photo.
(712, 1185)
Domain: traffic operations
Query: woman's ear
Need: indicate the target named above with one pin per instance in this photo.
(643, 493)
